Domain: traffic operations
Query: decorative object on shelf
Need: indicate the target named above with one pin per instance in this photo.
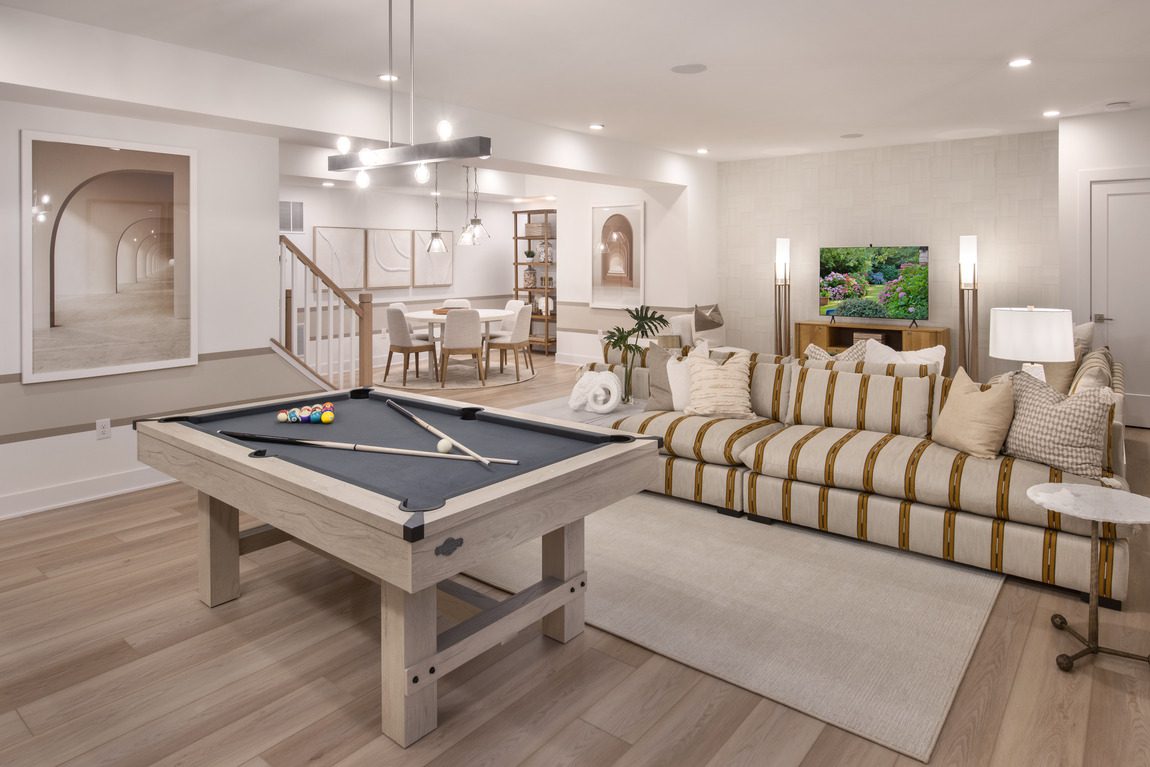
(529, 277)
(538, 229)
(529, 254)
(968, 304)
(597, 392)
(648, 323)
(782, 296)
(617, 256)
(545, 305)
(534, 275)
(546, 251)
(414, 154)
(1032, 336)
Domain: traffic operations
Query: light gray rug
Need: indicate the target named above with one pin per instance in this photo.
(870, 640)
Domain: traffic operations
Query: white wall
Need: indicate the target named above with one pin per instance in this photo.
(1110, 145)
(1002, 189)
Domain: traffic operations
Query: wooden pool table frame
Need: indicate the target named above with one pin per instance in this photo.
(364, 531)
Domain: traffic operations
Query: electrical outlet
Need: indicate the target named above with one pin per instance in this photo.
(104, 428)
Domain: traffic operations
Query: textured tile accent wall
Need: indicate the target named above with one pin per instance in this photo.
(1003, 189)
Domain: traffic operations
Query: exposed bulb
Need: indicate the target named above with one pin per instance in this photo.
(445, 129)
(45, 199)
(478, 230)
(41, 217)
(343, 145)
(422, 174)
(362, 180)
(365, 157)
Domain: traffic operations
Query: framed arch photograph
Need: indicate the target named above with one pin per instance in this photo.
(107, 237)
(617, 256)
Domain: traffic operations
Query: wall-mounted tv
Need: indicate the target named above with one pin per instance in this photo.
(887, 282)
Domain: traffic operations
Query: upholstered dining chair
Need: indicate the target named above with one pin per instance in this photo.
(462, 335)
(456, 303)
(518, 341)
(401, 342)
(508, 324)
(422, 334)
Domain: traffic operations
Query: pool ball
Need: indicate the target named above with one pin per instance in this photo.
(327, 416)
(328, 406)
(282, 416)
(444, 445)
(315, 416)
(293, 415)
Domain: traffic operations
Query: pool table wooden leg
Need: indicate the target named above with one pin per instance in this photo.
(563, 559)
(219, 533)
(408, 635)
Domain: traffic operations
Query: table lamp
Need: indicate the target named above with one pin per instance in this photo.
(1032, 336)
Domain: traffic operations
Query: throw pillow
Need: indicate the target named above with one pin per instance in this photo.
(854, 353)
(975, 421)
(906, 369)
(860, 401)
(881, 353)
(657, 358)
(1095, 372)
(708, 317)
(1065, 432)
(720, 389)
(1060, 374)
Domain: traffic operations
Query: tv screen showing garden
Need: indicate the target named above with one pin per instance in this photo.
(892, 282)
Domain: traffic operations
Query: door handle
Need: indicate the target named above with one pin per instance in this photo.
(1102, 318)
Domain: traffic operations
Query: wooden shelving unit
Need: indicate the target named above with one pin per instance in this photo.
(535, 278)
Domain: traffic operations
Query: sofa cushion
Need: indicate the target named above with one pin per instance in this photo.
(1060, 374)
(720, 388)
(975, 420)
(911, 469)
(878, 352)
(904, 369)
(703, 438)
(860, 401)
(1095, 372)
(1071, 433)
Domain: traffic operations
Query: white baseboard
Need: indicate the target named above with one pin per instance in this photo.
(79, 491)
(574, 359)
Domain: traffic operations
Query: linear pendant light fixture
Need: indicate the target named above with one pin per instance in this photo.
(413, 154)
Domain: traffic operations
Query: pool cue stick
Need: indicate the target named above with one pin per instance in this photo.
(412, 416)
(357, 447)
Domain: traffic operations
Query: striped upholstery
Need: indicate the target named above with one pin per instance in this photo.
(905, 369)
(999, 545)
(911, 469)
(719, 486)
(714, 440)
(859, 400)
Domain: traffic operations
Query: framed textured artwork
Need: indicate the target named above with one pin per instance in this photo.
(389, 259)
(432, 269)
(339, 252)
(617, 256)
(108, 278)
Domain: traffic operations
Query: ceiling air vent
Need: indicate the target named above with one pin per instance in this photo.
(291, 216)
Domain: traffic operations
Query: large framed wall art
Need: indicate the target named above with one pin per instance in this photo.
(617, 256)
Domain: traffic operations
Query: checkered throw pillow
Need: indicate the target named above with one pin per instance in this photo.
(1065, 432)
(855, 353)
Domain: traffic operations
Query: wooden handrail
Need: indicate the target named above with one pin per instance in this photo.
(350, 302)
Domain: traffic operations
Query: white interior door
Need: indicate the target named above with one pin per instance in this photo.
(1120, 276)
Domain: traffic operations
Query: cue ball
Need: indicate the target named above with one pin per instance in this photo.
(327, 416)
(282, 416)
(444, 445)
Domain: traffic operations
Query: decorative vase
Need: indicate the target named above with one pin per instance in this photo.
(529, 277)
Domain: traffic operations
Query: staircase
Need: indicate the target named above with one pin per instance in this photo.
(324, 331)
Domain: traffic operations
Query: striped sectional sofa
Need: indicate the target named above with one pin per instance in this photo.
(845, 448)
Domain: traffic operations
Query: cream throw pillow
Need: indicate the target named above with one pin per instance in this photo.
(881, 353)
(720, 389)
(975, 421)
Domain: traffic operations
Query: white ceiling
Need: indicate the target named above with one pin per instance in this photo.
(784, 76)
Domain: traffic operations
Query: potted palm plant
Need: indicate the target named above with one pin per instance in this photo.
(648, 322)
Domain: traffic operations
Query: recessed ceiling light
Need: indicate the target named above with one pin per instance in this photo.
(1020, 63)
(388, 78)
(517, 199)
(1051, 113)
(701, 150)
(550, 198)
(328, 184)
(851, 135)
(596, 126)
(689, 69)
(1118, 106)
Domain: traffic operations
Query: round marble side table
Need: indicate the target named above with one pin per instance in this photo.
(1097, 505)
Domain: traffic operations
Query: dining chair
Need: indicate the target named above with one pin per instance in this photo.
(422, 334)
(456, 303)
(401, 342)
(508, 324)
(462, 335)
(519, 341)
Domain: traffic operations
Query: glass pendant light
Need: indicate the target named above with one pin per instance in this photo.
(437, 245)
(467, 236)
(478, 230)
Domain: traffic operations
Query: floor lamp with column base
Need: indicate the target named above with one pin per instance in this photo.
(783, 296)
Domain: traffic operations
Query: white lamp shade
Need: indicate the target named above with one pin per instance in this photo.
(782, 260)
(967, 259)
(1032, 335)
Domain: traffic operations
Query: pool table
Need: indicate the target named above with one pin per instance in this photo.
(407, 522)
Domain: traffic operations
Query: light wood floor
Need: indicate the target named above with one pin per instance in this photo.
(108, 658)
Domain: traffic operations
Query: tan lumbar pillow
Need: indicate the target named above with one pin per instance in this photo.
(975, 421)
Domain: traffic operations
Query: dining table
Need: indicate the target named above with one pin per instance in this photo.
(435, 322)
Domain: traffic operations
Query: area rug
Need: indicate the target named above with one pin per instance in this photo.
(867, 639)
(460, 375)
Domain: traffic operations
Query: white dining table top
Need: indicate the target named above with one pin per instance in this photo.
(485, 315)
